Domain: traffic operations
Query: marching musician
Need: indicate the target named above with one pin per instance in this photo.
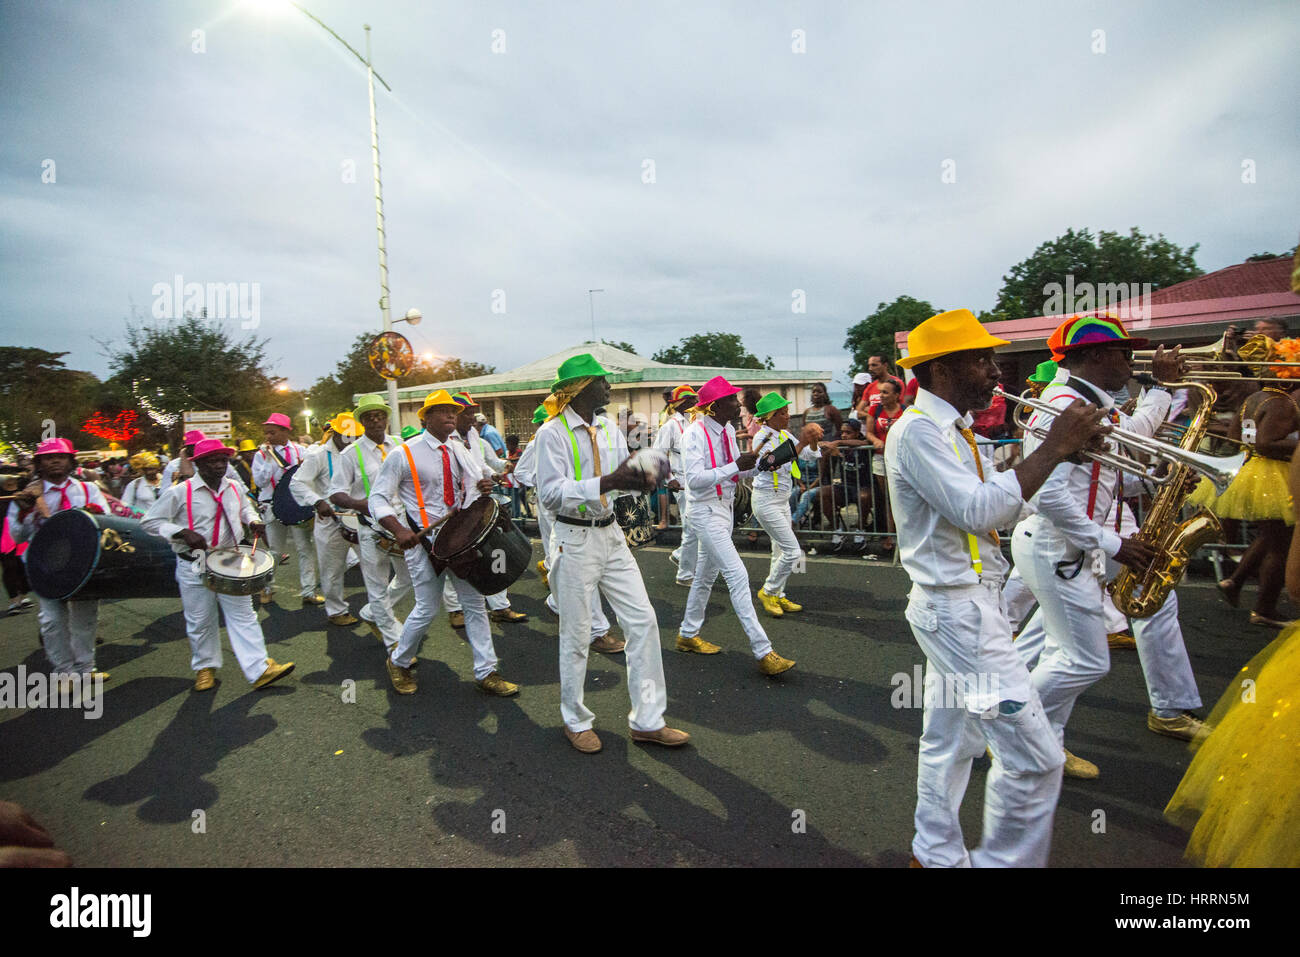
(181, 468)
(205, 512)
(947, 501)
(1062, 549)
(351, 489)
(713, 463)
(310, 486)
(581, 459)
(432, 477)
(67, 627)
(142, 492)
(669, 439)
(277, 454)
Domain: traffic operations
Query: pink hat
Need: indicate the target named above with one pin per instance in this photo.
(211, 447)
(55, 447)
(715, 389)
(193, 436)
(280, 419)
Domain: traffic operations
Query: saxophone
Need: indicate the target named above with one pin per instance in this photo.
(1141, 595)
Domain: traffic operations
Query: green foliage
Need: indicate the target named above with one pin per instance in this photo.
(36, 386)
(716, 349)
(354, 376)
(874, 335)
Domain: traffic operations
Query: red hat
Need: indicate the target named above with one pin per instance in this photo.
(1080, 332)
(280, 419)
(193, 436)
(211, 447)
(54, 447)
(715, 389)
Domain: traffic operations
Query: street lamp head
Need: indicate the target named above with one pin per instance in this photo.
(413, 316)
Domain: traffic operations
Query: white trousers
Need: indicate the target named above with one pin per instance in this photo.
(599, 621)
(713, 525)
(1018, 600)
(451, 602)
(963, 632)
(332, 556)
(68, 634)
(590, 560)
(375, 566)
(687, 554)
(277, 535)
(203, 627)
(428, 597)
(773, 511)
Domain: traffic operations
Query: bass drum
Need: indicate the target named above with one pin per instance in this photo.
(481, 545)
(82, 556)
(284, 506)
(743, 506)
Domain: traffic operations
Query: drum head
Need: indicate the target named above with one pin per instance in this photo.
(239, 562)
(465, 529)
(63, 553)
(350, 520)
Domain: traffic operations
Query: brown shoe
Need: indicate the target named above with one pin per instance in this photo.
(274, 672)
(344, 619)
(403, 680)
(457, 619)
(772, 664)
(507, 614)
(668, 737)
(316, 599)
(607, 645)
(1185, 727)
(585, 741)
(697, 645)
(205, 679)
(1121, 639)
(915, 863)
(495, 684)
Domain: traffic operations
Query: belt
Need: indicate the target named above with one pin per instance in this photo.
(586, 522)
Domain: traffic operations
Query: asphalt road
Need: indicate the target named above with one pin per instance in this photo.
(813, 768)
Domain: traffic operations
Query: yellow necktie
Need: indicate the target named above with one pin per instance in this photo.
(595, 455)
(969, 436)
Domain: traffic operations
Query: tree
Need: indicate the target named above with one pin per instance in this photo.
(625, 346)
(874, 335)
(714, 349)
(35, 388)
(1111, 258)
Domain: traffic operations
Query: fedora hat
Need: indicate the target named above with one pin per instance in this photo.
(956, 330)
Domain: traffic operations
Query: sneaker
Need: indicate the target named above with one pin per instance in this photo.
(697, 645)
(1185, 727)
(402, 679)
(205, 679)
(274, 672)
(1077, 767)
(770, 604)
(787, 604)
(496, 685)
(772, 664)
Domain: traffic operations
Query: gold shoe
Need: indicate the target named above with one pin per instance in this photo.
(403, 680)
(1185, 727)
(697, 645)
(686, 582)
(507, 614)
(266, 596)
(787, 604)
(773, 664)
(100, 676)
(1077, 767)
(316, 599)
(273, 672)
(457, 619)
(588, 742)
(495, 684)
(668, 737)
(607, 645)
(541, 570)
(770, 604)
(205, 679)
(346, 618)
(1120, 639)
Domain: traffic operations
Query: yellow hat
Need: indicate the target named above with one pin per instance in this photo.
(441, 397)
(954, 331)
(247, 445)
(344, 424)
(142, 460)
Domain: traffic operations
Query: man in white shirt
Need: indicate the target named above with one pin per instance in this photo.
(947, 502)
(207, 512)
(351, 489)
(669, 439)
(431, 477)
(142, 492)
(310, 486)
(273, 458)
(713, 463)
(67, 627)
(181, 468)
(581, 460)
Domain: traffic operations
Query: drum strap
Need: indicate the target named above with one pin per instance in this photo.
(286, 461)
(415, 479)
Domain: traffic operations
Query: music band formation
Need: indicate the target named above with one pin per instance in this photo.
(418, 516)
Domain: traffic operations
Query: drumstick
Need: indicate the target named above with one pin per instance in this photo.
(247, 565)
(425, 531)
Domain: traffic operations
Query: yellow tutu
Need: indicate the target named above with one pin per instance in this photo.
(1258, 492)
(1239, 797)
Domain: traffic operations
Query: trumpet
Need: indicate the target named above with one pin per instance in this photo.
(1219, 469)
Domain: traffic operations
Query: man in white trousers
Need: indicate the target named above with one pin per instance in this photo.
(420, 484)
(206, 512)
(669, 439)
(713, 463)
(273, 458)
(310, 486)
(581, 460)
(948, 501)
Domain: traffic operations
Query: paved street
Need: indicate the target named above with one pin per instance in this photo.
(814, 768)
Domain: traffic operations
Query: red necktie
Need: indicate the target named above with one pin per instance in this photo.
(726, 451)
(216, 519)
(448, 493)
(64, 501)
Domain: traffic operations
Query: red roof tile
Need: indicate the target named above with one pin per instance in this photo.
(1243, 279)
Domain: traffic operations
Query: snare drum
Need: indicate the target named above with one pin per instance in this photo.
(384, 538)
(237, 571)
(349, 522)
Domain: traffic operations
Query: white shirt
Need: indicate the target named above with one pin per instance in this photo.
(267, 472)
(394, 484)
(525, 474)
(481, 451)
(937, 497)
(705, 474)
(1063, 498)
(141, 495)
(169, 474)
(781, 481)
(79, 493)
(311, 483)
(569, 489)
(348, 477)
(669, 439)
(172, 513)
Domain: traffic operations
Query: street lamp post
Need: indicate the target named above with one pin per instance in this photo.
(591, 301)
(306, 418)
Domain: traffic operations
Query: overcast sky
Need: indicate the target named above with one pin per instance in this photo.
(223, 158)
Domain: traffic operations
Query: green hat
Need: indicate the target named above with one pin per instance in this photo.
(408, 431)
(370, 403)
(539, 415)
(1045, 372)
(583, 366)
(769, 404)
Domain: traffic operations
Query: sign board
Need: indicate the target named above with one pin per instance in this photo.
(213, 424)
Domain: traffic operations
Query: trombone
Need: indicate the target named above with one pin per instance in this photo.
(1219, 469)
